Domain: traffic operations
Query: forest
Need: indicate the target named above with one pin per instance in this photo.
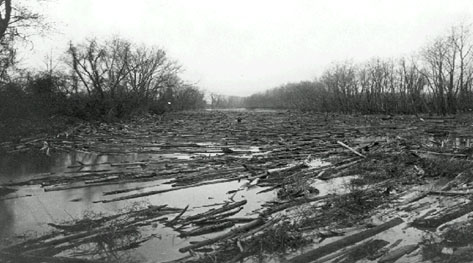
(435, 80)
(96, 79)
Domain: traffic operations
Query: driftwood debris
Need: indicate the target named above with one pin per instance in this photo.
(356, 252)
(87, 230)
(138, 195)
(213, 218)
(268, 151)
(434, 222)
(208, 229)
(211, 212)
(384, 250)
(451, 193)
(398, 253)
(231, 233)
(344, 242)
(175, 219)
(351, 149)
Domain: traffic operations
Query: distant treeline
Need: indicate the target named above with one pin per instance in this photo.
(218, 101)
(438, 80)
(101, 80)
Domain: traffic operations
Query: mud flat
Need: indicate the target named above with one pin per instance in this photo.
(241, 186)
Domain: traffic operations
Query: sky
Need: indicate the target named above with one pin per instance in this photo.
(247, 46)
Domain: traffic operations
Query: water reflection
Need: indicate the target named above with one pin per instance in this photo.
(17, 165)
(450, 142)
(26, 166)
(23, 166)
(6, 220)
(20, 214)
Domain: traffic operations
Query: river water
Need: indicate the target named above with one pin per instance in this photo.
(27, 211)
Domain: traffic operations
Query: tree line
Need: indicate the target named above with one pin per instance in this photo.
(96, 79)
(439, 79)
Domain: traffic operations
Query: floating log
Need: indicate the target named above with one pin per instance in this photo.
(217, 211)
(384, 250)
(450, 193)
(138, 195)
(451, 155)
(344, 242)
(236, 220)
(208, 229)
(433, 223)
(232, 232)
(215, 217)
(398, 253)
(293, 203)
(259, 229)
(87, 229)
(175, 219)
(460, 178)
(15, 197)
(351, 149)
(356, 252)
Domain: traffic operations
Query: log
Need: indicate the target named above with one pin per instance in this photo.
(174, 220)
(236, 220)
(232, 232)
(208, 229)
(295, 202)
(138, 195)
(351, 149)
(460, 178)
(115, 192)
(258, 229)
(453, 155)
(128, 164)
(98, 228)
(433, 223)
(356, 252)
(181, 260)
(217, 211)
(415, 198)
(15, 197)
(397, 253)
(346, 165)
(216, 217)
(450, 193)
(344, 242)
(384, 250)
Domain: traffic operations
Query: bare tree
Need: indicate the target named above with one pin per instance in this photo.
(88, 63)
(5, 16)
(150, 72)
(461, 40)
(16, 22)
(435, 57)
(116, 71)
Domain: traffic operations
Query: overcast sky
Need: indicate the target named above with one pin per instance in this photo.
(242, 47)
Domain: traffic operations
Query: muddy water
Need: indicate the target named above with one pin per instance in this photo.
(28, 211)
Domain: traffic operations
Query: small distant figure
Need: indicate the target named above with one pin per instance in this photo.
(239, 119)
